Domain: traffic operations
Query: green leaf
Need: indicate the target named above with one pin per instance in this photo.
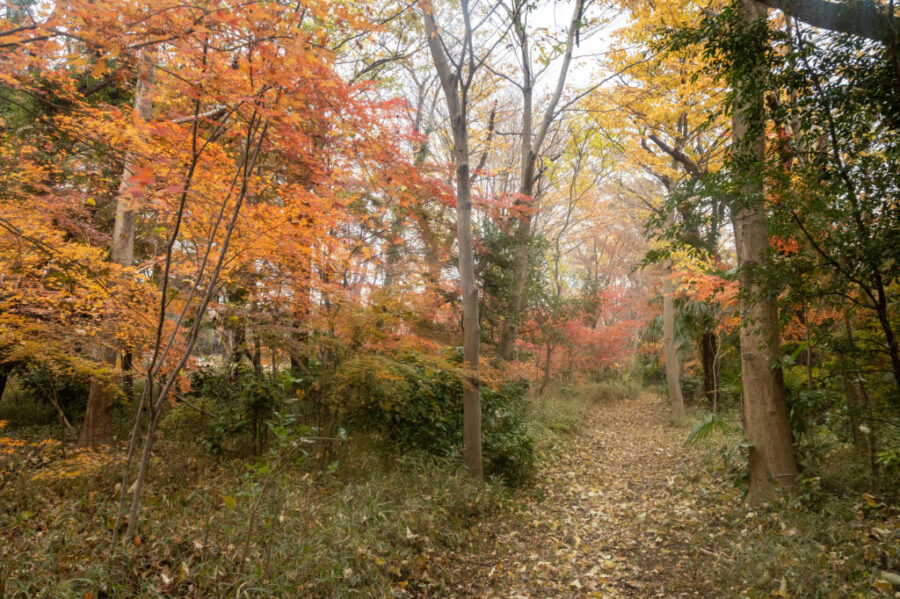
(710, 424)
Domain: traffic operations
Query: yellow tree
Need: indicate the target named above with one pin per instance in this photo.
(670, 133)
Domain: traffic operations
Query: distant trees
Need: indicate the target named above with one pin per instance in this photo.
(308, 188)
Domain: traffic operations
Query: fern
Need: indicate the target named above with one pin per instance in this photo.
(711, 423)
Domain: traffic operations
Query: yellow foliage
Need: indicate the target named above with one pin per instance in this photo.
(84, 462)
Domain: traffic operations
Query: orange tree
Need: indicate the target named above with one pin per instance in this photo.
(257, 159)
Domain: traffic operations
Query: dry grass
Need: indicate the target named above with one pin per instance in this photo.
(355, 522)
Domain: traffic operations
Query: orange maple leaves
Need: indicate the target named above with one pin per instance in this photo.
(221, 78)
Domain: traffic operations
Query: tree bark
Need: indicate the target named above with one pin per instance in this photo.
(860, 411)
(128, 373)
(547, 366)
(531, 147)
(97, 428)
(670, 349)
(709, 347)
(881, 308)
(455, 87)
(765, 411)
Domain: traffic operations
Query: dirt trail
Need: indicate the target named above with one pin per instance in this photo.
(615, 520)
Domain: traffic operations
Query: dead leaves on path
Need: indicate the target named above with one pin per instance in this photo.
(609, 518)
(626, 510)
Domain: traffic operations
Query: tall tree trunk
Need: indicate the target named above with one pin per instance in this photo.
(670, 348)
(97, 428)
(709, 347)
(531, 147)
(455, 87)
(471, 325)
(765, 411)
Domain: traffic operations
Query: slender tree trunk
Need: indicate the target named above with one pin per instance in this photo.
(531, 147)
(510, 329)
(455, 87)
(670, 349)
(256, 358)
(299, 333)
(97, 428)
(765, 411)
(392, 252)
(471, 326)
(128, 373)
(547, 365)
(709, 343)
(890, 337)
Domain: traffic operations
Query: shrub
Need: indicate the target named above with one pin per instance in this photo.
(241, 402)
(49, 392)
(417, 404)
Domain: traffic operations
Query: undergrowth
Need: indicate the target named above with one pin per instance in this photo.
(310, 518)
(837, 536)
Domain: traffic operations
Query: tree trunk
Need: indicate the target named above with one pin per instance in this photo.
(127, 373)
(455, 88)
(670, 349)
(881, 308)
(547, 366)
(765, 411)
(97, 427)
(531, 147)
(709, 347)
(256, 358)
(471, 326)
(298, 334)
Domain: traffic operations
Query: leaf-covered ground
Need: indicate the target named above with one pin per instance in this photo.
(619, 508)
(624, 509)
(609, 518)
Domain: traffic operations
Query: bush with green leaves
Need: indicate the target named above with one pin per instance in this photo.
(416, 403)
(240, 400)
(52, 392)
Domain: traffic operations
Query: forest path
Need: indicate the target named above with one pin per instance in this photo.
(616, 518)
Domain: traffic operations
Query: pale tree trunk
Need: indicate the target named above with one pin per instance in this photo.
(471, 326)
(531, 147)
(455, 86)
(97, 427)
(670, 348)
(765, 411)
